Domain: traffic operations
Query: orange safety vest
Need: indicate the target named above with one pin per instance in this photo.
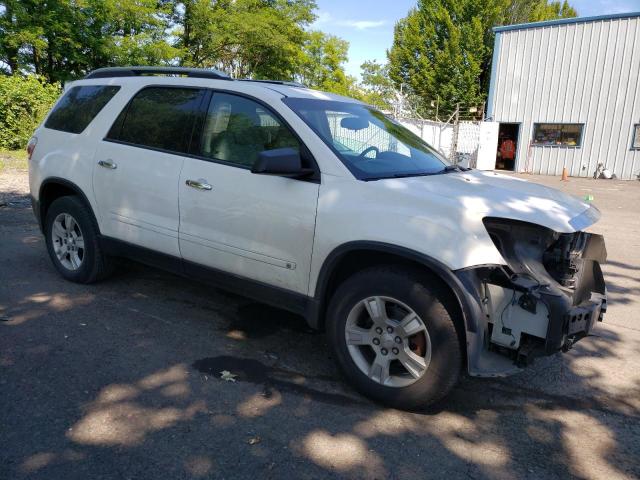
(508, 149)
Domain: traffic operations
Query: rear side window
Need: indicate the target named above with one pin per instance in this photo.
(79, 106)
(159, 118)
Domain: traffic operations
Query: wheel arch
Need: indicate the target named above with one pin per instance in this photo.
(351, 257)
(53, 188)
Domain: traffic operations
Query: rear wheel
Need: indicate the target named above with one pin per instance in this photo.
(394, 338)
(72, 241)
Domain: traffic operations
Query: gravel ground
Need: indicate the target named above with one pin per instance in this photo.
(122, 380)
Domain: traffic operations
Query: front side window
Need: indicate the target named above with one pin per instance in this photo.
(370, 144)
(159, 118)
(636, 136)
(79, 106)
(237, 129)
(557, 134)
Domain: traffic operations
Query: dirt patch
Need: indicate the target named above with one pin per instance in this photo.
(14, 188)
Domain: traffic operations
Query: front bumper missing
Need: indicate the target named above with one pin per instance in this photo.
(580, 320)
(523, 311)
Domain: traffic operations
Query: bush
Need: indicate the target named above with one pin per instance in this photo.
(24, 101)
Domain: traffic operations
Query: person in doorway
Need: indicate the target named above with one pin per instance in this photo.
(508, 153)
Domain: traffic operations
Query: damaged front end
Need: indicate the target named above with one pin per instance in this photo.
(547, 297)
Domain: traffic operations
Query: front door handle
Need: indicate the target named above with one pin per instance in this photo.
(198, 184)
(108, 164)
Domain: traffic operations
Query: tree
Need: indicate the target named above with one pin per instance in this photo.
(378, 88)
(439, 50)
(128, 32)
(523, 11)
(24, 101)
(322, 64)
(443, 47)
(63, 39)
(246, 38)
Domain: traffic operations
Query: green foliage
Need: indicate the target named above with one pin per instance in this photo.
(377, 86)
(246, 38)
(322, 60)
(60, 40)
(443, 47)
(523, 11)
(64, 39)
(439, 50)
(24, 101)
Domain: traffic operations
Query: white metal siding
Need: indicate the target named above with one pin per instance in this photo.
(585, 72)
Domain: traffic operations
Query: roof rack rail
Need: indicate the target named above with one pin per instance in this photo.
(109, 72)
(277, 82)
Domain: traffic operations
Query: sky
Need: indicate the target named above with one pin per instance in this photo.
(368, 24)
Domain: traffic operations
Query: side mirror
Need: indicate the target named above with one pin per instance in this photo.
(284, 162)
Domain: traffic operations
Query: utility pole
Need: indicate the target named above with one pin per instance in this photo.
(454, 136)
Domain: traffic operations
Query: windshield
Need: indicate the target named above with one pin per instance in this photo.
(370, 144)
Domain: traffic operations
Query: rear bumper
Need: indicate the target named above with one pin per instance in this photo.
(533, 313)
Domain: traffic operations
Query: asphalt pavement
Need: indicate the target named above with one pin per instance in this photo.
(122, 380)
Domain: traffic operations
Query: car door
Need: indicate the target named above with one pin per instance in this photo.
(259, 227)
(137, 175)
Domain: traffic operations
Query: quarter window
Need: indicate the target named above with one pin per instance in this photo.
(636, 136)
(79, 106)
(557, 134)
(237, 129)
(159, 118)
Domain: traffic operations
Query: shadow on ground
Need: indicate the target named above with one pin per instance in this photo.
(122, 380)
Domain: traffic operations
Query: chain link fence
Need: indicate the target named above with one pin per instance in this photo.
(455, 132)
(458, 142)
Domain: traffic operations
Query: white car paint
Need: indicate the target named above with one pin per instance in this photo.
(255, 226)
(138, 200)
(258, 224)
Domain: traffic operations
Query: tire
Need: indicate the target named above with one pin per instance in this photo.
(93, 264)
(403, 294)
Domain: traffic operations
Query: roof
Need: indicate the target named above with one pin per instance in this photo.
(305, 92)
(144, 73)
(566, 21)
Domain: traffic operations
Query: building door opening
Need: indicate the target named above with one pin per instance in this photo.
(507, 146)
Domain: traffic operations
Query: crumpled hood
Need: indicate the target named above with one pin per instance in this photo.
(490, 194)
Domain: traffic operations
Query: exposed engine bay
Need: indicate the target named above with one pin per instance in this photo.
(547, 297)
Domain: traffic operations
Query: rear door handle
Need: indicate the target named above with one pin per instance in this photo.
(108, 164)
(198, 184)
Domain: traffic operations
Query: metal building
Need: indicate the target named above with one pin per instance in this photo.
(566, 93)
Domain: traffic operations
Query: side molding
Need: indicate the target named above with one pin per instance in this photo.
(275, 296)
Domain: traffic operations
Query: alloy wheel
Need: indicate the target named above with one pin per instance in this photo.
(68, 242)
(388, 341)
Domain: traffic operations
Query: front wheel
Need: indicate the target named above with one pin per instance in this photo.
(394, 337)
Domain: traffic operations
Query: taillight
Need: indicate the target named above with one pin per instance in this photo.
(31, 146)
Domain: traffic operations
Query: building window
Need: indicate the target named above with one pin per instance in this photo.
(557, 134)
(636, 136)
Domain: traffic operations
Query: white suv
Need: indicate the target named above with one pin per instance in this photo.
(319, 204)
